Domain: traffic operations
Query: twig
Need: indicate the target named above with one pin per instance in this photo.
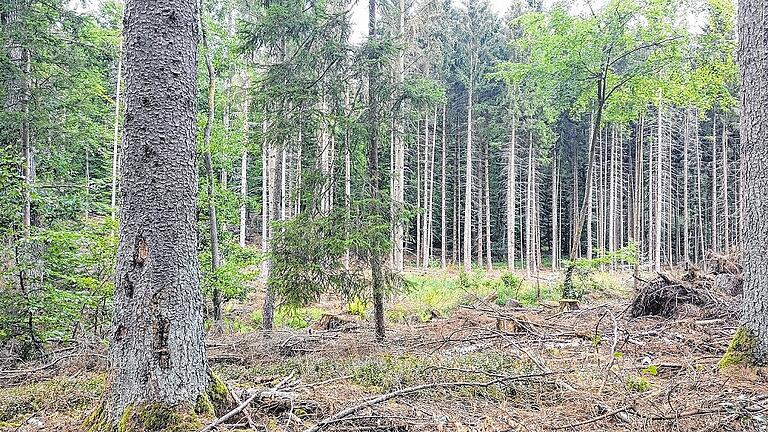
(595, 419)
(341, 415)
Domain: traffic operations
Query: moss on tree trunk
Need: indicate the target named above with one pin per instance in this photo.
(740, 351)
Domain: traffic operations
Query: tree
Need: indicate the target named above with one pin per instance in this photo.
(753, 55)
(157, 350)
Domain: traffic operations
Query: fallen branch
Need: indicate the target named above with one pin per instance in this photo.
(238, 409)
(343, 414)
(595, 419)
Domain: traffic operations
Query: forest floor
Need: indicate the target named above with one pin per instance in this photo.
(475, 366)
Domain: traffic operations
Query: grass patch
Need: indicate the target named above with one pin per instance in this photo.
(62, 394)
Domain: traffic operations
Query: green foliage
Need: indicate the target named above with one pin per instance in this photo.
(357, 307)
(637, 384)
(579, 272)
(238, 267)
(59, 283)
(508, 288)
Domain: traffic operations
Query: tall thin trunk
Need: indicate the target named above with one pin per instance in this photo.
(468, 184)
(116, 131)
(443, 232)
(713, 228)
(726, 206)
(398, 201)
(555, 209)
(213, 225)
(265, 197)
(26, 143)
(686, 215)
(589, 185)
(658, 202)
(529, 253)
(244, 170)
(699, 204)
(377, 281)
(511, 186)
(487, 212)
(637, 213)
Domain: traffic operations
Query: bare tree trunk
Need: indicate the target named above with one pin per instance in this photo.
(726, 206)
(398, 201)
(529, 253)
(116, 131)
(686, 215)
(659, 183)
(488, 248)
(699, 208)
(753, 56)
(244, 169)
(468, 186)
(511, 209)
(590, 204)
(212, 223)
(637, 213)
(265, 198)
(26, 144)
(714, 243)
(157, 332)
(443, 232)
(555, 209)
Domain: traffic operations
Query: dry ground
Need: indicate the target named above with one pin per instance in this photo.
(485, 368)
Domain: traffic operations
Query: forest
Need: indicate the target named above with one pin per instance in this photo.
(374, 215)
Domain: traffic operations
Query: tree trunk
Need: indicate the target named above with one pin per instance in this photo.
(377, 279)
(398, 201)
(726, 206)
(699, 204)
(443, 231)
(157, 353)
(244, 166)
(26, 143)
(116, 132)
(487, 212)
(511, 209)
(555, 248)
(659, 183)
(212, 223)
(467, 255)
(686, 215)
(529, 254)
(753, 56)
(714, 243)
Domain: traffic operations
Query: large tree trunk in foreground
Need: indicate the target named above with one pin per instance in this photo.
(753, 58)
(157, 353)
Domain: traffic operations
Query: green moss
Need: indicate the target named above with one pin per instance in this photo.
(740, 350)
(150, 417)
(217, 394)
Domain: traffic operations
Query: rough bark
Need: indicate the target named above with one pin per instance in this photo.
(157, 353)
(753, 73)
